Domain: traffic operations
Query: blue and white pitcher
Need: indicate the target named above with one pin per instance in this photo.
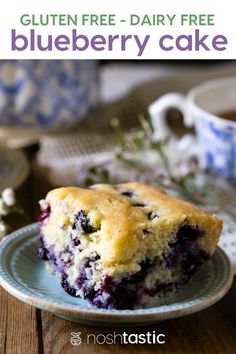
(47, 94)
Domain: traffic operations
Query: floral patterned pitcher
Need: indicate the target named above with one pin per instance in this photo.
(46, 93)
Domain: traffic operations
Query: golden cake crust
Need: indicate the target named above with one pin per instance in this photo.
(122, 220)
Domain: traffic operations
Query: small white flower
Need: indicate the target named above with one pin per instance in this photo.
(3, 230)
(8, 197)
(3, 209)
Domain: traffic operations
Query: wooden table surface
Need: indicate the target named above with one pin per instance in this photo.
(27, 330)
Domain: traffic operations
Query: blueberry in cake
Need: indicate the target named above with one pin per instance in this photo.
(118, 246)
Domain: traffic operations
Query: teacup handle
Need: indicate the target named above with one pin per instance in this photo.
(158, 108)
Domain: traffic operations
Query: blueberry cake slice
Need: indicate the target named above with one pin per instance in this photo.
(118, 246)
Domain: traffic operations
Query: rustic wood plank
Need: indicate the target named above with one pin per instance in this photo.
(18, 326)
(3, 320)
(57, 335)
(207, 332)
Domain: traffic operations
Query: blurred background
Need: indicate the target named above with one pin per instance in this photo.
(64, 117)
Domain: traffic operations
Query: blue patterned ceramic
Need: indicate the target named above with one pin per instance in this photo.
(219, 145)
(24, 276)
(47, 94)
(202, 107)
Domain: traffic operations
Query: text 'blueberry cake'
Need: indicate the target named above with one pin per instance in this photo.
(118, 246)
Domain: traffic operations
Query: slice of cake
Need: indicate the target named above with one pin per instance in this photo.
(118, 246)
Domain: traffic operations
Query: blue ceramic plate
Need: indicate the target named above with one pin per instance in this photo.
(24, 276)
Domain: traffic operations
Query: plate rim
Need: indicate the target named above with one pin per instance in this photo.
(148, 314)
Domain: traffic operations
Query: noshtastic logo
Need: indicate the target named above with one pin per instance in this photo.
(76, 338)
(118, 338)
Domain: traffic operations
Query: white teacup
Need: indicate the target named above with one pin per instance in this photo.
(203, 107)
